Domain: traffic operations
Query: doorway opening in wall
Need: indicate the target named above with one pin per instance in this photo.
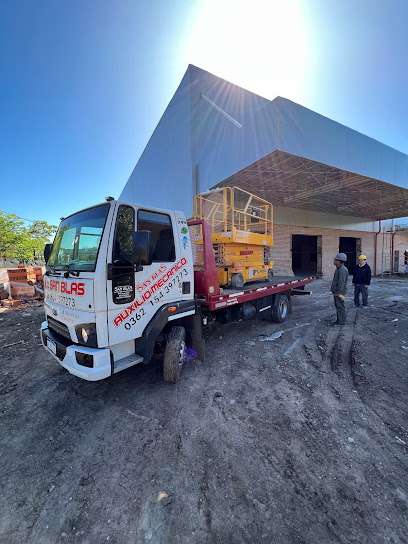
(350, 246)
(306, 255)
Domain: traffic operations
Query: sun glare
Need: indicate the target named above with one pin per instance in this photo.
(260, 45)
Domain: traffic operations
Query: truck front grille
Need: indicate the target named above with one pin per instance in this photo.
(58, 327)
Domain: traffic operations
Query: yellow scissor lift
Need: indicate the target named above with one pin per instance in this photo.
(241, 233)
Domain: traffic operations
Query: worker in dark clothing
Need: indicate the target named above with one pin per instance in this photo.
(339, 288)
(361, 281)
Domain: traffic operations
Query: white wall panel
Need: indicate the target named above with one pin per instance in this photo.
(401, 166)
(373, 167)
(336, 149)
(220, 148)
(308, 134)
(388, 163)
(305, 218)
(163, 176)
(356, 147)
(290, 127)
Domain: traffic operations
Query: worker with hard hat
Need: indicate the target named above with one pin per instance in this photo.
(361, 281)
(339, 288)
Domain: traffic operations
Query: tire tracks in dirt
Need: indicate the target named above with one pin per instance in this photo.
(260, 444)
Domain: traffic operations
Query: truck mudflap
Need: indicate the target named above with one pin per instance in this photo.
(91, 364)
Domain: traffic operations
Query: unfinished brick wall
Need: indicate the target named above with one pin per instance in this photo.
(282, 256)
(401, 245)
(385, 260)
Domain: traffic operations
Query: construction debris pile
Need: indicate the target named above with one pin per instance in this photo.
(21, 285)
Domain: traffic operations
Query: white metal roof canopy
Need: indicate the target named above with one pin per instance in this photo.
(296, 182)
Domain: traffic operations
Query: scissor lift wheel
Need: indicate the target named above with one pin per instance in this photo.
(237, 280)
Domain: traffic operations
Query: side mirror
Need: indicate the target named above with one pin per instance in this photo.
(142, 247)
(47, 252)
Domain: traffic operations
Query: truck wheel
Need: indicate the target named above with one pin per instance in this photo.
(281, 309)
(270, 276)
(174, 358)
(237, 281)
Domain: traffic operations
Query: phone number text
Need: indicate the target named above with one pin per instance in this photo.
(168, 287)
(60, 299)
(134, 319)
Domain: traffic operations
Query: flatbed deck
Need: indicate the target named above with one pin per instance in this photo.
(277, 281)
(251, 291)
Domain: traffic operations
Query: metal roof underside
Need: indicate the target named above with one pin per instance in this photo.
(295, 182)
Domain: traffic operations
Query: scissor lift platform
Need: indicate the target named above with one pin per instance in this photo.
(241, 228)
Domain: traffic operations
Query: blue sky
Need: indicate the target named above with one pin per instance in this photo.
(83, 83)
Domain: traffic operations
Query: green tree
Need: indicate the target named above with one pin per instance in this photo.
(11, 232)
(20, 242)
(40, 233)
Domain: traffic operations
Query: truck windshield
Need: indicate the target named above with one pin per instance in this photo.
(77, 240)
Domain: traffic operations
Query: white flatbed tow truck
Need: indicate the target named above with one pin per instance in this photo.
(121, 287)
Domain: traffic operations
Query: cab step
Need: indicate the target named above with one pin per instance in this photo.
(127, 362)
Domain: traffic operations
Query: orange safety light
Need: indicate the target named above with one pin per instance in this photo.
(172, 309)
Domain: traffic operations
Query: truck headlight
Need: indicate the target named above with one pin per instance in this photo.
(86, 334)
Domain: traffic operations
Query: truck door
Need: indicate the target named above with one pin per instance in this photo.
(135, 297)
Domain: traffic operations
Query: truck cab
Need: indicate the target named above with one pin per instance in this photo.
(119, 284)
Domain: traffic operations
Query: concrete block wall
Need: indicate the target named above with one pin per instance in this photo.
(282, 256)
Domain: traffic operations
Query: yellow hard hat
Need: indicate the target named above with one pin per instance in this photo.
(363, 257)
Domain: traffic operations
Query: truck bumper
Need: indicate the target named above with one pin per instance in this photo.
(68, 355)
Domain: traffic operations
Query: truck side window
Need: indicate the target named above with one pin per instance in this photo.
(123, 282)
(162, 234)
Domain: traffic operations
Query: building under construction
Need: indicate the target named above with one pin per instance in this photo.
(332, 188)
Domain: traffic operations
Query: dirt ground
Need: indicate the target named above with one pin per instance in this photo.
(299, 440)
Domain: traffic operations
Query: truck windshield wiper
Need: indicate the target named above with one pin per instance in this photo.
(50, 270)
(74, 273)
(58, 268)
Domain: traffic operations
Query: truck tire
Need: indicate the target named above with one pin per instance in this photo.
(270, 276)
(237, 281)
(174, 359)
(280, 309)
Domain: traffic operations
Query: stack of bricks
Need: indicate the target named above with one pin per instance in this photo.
(31, 277)
(37, 270)
(11, 303)
(24, 274)
(18, 274)
(4, 284)
(21, 283)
